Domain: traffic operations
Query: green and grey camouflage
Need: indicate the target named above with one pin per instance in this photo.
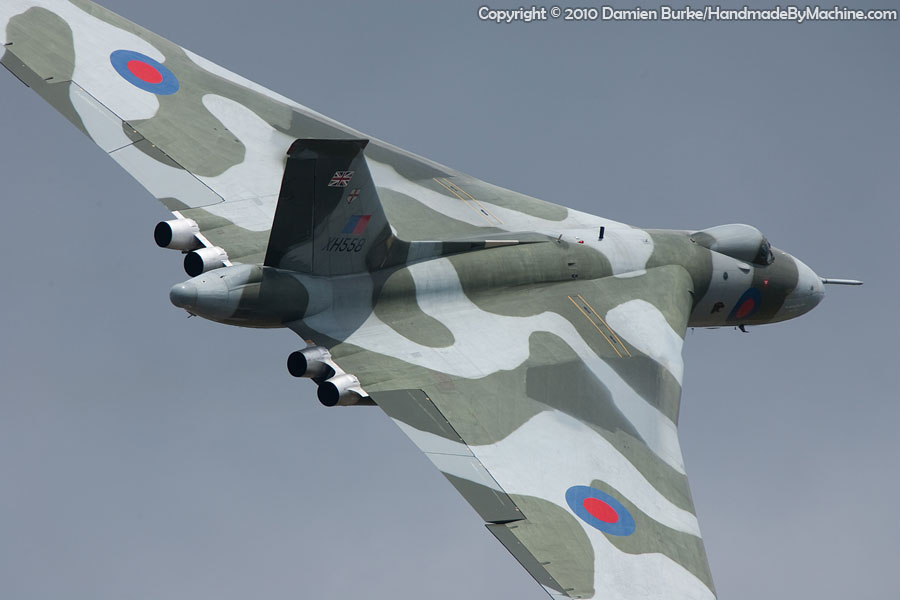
(532, 352)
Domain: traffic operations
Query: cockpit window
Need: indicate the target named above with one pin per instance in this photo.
(764, 256)
(737, 240)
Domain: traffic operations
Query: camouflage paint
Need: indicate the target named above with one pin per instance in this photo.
(526, 348)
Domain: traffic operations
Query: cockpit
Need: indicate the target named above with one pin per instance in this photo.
(764, 256)
(737, 240)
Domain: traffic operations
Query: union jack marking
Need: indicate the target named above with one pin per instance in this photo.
(353, 195)
(340, 179)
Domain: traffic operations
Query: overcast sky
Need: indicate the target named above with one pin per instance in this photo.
(144, 455)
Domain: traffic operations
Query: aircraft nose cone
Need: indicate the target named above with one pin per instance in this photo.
(809, 285)
(184, 295)
(807, 294)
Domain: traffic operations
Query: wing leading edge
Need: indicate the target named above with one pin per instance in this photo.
(553, 411)
(552, 408)
(210, 145)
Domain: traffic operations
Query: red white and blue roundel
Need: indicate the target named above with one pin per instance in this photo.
(600, 510)
(747, 305)
(143, 72)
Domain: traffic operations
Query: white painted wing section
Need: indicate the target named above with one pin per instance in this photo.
(539, 462)
(164, 181)
(446, 450)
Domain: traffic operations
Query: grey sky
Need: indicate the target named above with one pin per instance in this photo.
(145, 455)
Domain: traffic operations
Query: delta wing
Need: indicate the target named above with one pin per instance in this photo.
(211, 145)
(552, 409)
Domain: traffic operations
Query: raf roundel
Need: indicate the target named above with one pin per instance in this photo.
(747, 305)
(600, 510)
(143, 72)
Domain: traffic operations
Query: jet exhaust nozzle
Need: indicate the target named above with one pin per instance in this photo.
(340, 389)
(310, 362)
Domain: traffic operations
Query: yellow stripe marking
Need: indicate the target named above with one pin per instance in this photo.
(588, 317)
(467, 203)
(605, 324)
(456, 191)
(475, 200)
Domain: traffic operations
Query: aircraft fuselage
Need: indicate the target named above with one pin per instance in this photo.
(727, 291)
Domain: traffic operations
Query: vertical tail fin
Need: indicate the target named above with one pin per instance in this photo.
(329, 220)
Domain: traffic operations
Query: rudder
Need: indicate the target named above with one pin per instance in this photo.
(329, 220)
